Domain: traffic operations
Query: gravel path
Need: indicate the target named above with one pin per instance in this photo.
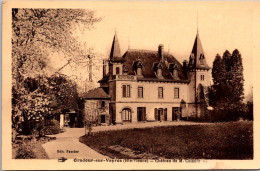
(67, 145)
(69, 140)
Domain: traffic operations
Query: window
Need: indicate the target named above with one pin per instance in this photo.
(117, 70)
(103, 118)
(102, 104)
(202, 77)
(160, 92)
(126, 91)
(126, 114)
(141, 113)
(140, 92)
(176, 93)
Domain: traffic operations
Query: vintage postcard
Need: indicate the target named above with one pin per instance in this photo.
(130, 85)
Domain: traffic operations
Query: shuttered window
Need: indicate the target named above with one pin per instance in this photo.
(126, 90)
(160, 92)
(176, 93)
(140, 92)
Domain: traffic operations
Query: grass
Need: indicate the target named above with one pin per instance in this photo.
(232, 140)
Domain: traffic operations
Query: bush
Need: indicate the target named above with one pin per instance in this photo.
(25, 152)
(52, 128)
(248, 115)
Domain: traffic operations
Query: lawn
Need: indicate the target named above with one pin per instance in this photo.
(232, 140)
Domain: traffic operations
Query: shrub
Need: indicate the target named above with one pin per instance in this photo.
(25, 152)
(249, 113)
(52, 128)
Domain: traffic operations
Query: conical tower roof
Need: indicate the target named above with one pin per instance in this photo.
(197, 57)
(115, 49)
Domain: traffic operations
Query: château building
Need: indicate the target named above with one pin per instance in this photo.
(145, 85)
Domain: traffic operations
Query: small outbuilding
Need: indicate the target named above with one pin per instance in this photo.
(94, 106)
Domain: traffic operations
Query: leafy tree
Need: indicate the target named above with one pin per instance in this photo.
(237, 77)
(219, 78)
(37, 33)
(227, 60)
(65, 91)
(228, 91)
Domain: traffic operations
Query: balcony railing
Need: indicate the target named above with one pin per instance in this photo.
(124, 77)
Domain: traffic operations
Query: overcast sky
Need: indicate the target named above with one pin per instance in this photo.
(222, 26)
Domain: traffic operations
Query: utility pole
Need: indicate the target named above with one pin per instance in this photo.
(90, 68)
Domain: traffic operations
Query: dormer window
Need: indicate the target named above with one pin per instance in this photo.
(159, 71)
(125, 70)
(173, 68)
(138, 65)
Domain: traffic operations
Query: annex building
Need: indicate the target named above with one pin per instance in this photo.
(145, 85)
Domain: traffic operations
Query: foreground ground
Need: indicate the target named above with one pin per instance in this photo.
(233, 140)
(28, 149)
(69, 140)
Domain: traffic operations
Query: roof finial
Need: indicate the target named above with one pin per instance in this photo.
(197, 22)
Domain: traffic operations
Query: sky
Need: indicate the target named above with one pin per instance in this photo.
(222, 26)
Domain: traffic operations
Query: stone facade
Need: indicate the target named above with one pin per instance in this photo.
(94, 107)
(97, 110)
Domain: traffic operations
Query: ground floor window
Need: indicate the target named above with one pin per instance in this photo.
(176, 113)
(126, 114)
(103, 118)
(160, 114)
(141, 113)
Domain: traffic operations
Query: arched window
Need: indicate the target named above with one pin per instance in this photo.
(126, 114)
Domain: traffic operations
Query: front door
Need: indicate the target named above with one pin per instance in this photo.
(160, 114)
(72, 120)
(176, 113)
(141, 113)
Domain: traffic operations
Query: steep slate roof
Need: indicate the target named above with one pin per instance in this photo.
(97, 93)
(149, 60)
(197, 57)
(115, 49)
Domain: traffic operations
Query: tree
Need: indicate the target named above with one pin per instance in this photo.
(36, 33)
(65, 91)
(219, 78)
(91, 116)
(228, 85)
(237, 77)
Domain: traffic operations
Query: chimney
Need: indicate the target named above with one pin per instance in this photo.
(161, 52)
(175, 72)
(185, 63)
(185, 68)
